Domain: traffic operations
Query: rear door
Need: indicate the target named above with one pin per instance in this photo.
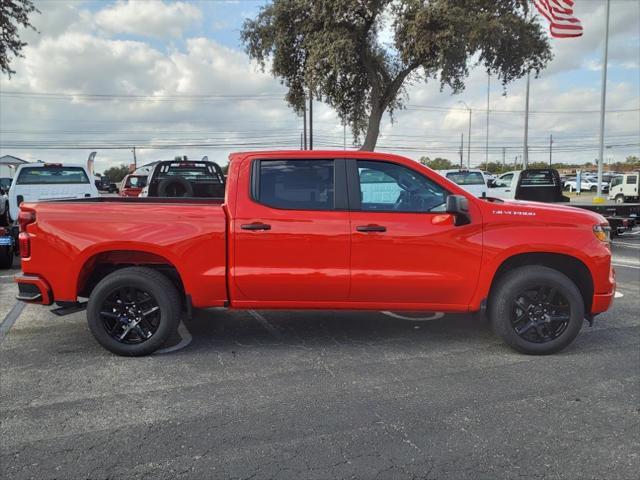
(291, 232)
(405, 248)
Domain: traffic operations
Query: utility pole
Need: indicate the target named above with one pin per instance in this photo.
(310, 120)
(550, 148)
(135, 161)
(486, 148)
(468, 135)
(301, 140)
(304, 122)
(461, 148)
(526, 127)
(504, 153)
(603, 100)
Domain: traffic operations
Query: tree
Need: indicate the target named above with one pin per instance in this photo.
(116, 174)
(437, 163)
(332, 48)
(632, 160)
(13, 15)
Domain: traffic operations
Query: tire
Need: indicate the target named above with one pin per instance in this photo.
(6, 257)
(619, 198)
(175, 187)
(555, 329)
(594, 189)
(126, 284)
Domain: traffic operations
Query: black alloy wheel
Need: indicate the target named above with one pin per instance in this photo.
(130, 315)
(540, 314)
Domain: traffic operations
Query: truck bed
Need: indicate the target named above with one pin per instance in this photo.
(71, 237)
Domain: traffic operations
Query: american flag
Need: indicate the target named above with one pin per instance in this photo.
(562, 22)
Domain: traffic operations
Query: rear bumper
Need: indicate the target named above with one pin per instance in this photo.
(33, 289)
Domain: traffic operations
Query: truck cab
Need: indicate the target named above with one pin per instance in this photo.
(624, 188)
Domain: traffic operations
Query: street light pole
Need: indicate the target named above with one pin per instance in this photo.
(603, 99)
(526, 128)
(486, 149)
(468, 135)
(550, 148)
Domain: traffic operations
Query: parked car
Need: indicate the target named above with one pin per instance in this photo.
(586, 185)
(5, 182)
(185, 178)
(299, 230)
(5, 216)
(132, 185)
(488, 176)
(624, 188)
(6, 248)
(49, 181)
(473, 181)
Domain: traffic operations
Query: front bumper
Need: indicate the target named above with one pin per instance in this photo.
(33, 289)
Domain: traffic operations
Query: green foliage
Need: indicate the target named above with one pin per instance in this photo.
(14, 14)
(333, 49)
(437, 163)
(632, 160)
(116, 174)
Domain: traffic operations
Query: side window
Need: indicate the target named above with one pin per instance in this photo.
(632, 179)
(504, 181)
(391, 187)
(295, 184)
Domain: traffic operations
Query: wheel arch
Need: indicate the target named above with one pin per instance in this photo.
(101, 264)
(568, 265)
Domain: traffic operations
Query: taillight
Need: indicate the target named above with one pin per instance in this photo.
(24, 241)
(26, 217)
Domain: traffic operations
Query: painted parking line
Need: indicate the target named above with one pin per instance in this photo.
(265, 323)
(635, 266)
(10, 319)
(186, 337)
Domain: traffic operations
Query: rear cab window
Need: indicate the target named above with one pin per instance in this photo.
(538, 178)
(466, 178)
(49, 175)
(294, 184)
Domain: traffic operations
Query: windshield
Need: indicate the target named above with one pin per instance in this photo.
(51, 175)
(616, 181)
(466, 178)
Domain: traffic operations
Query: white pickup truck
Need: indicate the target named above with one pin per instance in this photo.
(35, 182)
(541, 185)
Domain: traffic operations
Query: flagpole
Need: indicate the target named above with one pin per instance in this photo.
(603, 101)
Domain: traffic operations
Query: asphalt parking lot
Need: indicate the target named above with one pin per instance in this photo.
(322, 395)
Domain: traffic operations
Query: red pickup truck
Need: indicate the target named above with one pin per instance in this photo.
(318, 230)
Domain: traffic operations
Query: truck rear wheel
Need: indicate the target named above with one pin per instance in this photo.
(536, 310)
(133, 311)
(620, 198)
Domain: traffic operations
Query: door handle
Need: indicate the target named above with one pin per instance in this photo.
(371, 228)
(255, 226)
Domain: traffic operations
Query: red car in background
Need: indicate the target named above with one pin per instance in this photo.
(132, 185)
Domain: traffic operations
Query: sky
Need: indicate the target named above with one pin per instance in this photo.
(146, 73)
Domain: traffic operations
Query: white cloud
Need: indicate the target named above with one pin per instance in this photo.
(151, 18)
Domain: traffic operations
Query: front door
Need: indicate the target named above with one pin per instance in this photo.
(292, 233)
(405, 249)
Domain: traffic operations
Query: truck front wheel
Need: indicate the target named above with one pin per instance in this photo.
(536, 310)
(133, 311)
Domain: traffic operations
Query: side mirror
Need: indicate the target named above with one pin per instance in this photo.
(491, 183)
(458, 206)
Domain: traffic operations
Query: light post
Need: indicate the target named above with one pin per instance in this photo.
(468, 135)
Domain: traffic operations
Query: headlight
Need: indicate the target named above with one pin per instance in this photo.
(602, 232)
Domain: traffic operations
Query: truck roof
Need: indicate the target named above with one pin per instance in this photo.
(312, 154)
